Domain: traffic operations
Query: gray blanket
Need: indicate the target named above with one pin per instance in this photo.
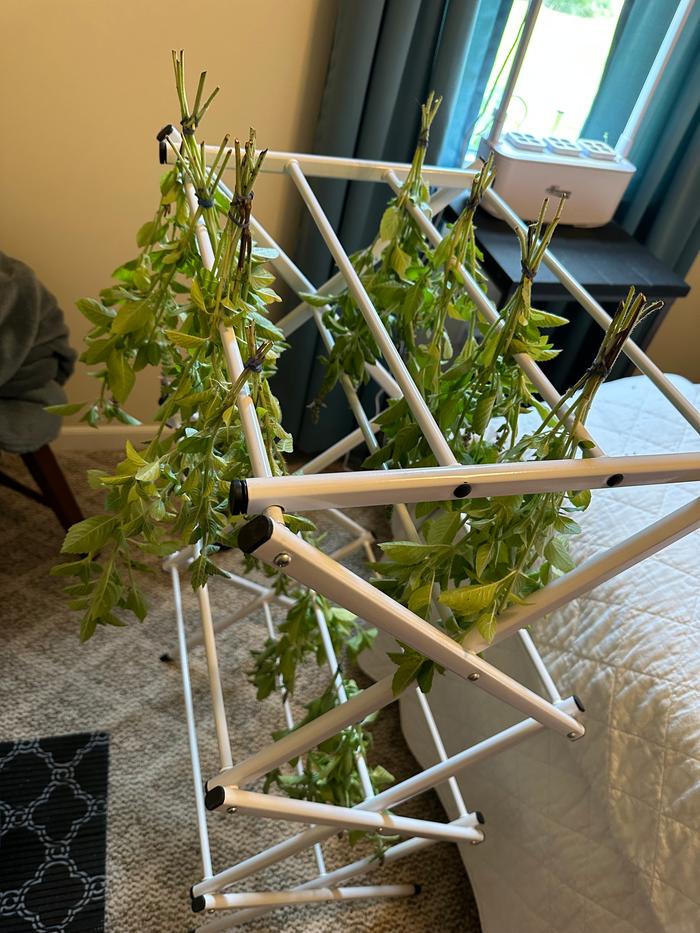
(35, 359)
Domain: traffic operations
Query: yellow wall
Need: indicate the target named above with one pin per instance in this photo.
(86, 86)
(676, 346)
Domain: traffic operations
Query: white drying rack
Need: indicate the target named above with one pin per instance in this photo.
(268, 539)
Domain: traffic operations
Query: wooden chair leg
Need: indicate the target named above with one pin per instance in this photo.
(48, 476)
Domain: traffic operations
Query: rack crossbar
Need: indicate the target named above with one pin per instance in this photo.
(438, 484)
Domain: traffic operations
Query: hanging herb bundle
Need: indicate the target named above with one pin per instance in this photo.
(397, 275)
(514, 545)
(165, 309)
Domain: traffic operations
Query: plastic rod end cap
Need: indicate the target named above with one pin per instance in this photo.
(238, 497)
(214, 798)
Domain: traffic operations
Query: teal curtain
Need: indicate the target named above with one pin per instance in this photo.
(660, 207)
(386, 57)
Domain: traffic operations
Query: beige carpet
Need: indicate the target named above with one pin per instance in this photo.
(50, 685)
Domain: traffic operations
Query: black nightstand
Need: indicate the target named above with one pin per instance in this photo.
(606, 261)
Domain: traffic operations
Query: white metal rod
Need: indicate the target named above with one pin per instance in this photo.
(341, 693)
(360, 867)
(316, 570)
(303, 312)
(593, 572)
(393, 796)
(217, 695)
(396, 365)
(423, 484)
(630, 349)
(440, 749)
(221, 626)
(539, 665)
(272, 806)
(673, 34)
(518, 59)
(289, 720)
(191, 728)
(336, 451)
(491, 315)
(297, 281)
(274, 899)
(347, 169)
(350, 547)
(307, 736)
(254, 587)
(340, 518)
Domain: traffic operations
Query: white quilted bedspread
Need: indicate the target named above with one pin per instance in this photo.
(602, 834)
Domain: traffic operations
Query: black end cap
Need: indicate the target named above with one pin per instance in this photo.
(577, 701)
(417, 888)
(198, 904)
(480, 818)
(166, 658)
(614, 480)
(238, 497)
(214, 798)
(255, 534)
(161, 136)
(462, 491)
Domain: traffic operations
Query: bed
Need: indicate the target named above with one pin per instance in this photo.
(604, 833)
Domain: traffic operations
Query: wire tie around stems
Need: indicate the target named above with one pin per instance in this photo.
(204, 201)
(242, 204)
(527, 271)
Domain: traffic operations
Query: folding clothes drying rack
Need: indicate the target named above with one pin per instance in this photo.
(266, 537)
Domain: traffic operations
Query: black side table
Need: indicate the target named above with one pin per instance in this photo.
(606, 261)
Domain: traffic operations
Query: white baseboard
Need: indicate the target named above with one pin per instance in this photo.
(108, 437)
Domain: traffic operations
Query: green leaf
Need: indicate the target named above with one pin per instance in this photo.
(406, 672)
(197, 296)
(419, 600)
(580, 498)
(184, 340)
(390, 223)
(136, 602)
(95, 311)
(121, 375)
(149, 472)
(469, 599)
(482, 413)
(132, 316)
(64, 410)
(89, 535)
(405, 552)
(143, 237)
(557, 553)
(400, 261)
(316, 300)
(133, 455)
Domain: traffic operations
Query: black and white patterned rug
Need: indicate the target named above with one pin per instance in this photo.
(53, 819)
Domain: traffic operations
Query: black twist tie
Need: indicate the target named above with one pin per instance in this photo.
(423, 139)
(598, 368)
(204, 203)
(189, 124)
(253, 364)
(527, 271)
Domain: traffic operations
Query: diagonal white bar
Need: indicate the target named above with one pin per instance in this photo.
(268, 540)
(593, 572)
(411, 787)
(415, 400)
(272, 806)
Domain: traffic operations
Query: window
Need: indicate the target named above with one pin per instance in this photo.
(561, 72)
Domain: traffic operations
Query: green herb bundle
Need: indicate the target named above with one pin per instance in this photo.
(166, 309)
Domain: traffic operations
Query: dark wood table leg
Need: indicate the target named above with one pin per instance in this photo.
(48, 476)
